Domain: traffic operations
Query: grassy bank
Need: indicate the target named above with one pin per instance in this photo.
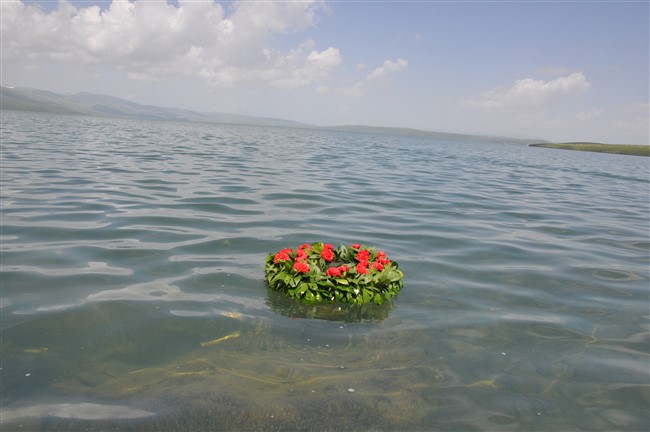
(626, 149)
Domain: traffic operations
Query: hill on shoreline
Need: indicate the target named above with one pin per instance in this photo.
(90, 104)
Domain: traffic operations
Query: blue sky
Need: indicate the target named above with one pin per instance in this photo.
(556, 70)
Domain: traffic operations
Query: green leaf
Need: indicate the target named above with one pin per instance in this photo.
(280, 276)
(317, 248)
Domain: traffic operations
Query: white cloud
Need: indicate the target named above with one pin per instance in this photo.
(151, 40)
(530, 92)
(374, 78)
(297, 69)
(386, 69)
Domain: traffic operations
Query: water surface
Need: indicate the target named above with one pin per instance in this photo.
(128, 246)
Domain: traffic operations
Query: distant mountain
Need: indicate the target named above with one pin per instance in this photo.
(446, 136)
(27, 99)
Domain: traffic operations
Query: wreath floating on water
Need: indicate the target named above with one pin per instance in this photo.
(318, 272)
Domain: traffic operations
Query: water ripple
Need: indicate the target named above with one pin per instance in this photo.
(525, 303)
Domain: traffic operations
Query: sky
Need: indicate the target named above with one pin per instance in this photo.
(554, 70)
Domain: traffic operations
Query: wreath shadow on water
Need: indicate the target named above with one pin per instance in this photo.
(334, 311)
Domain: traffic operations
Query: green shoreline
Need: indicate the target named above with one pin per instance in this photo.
(625, 149)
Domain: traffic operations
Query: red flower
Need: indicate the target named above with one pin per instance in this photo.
(363, 255)
(327, 255)
(305, 246)
(377, 265)
(382, 259)
(361, 268)
(344, 268)
(355, 246)
(328, 246)
(302, 267)
(333, 272)
(281, 257)
(301, 255)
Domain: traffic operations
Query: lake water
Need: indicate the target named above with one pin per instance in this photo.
(127, 244)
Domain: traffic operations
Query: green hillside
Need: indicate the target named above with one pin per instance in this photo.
(626, 149)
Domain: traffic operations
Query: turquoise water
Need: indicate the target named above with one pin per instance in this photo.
(133, 294)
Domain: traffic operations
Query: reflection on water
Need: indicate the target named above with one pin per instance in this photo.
(344, 312)
(133, 294)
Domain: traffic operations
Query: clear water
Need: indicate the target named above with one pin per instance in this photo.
(126, 245)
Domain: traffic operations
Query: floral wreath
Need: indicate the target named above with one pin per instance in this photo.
(319, 273)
